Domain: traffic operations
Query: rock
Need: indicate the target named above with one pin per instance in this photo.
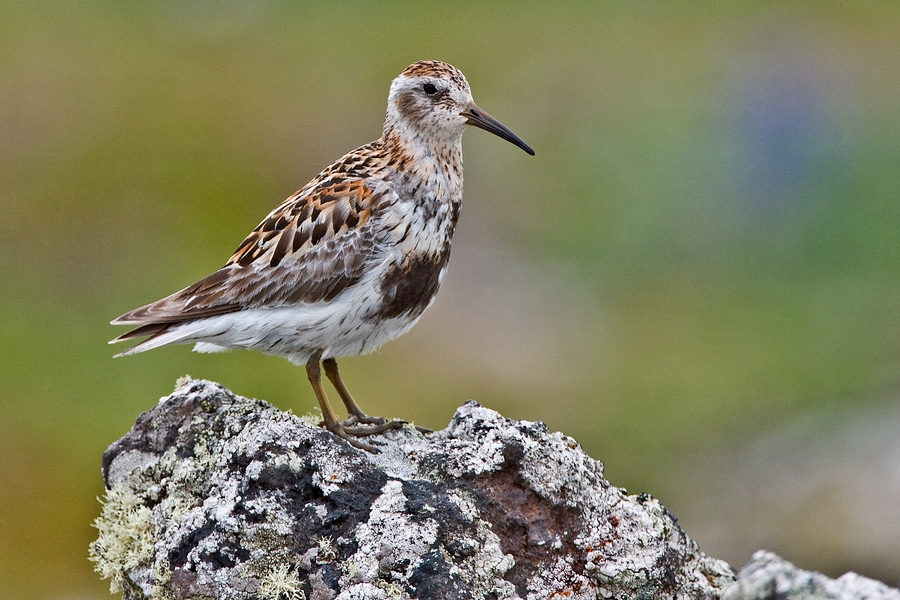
(767, 576)
(212, 495)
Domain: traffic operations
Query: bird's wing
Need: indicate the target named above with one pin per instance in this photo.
(316, 244)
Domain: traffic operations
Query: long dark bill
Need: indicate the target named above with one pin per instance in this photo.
(482, 120)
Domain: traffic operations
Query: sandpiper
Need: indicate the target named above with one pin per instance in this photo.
(350, 261)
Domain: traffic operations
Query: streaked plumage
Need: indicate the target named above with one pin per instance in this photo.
(351, 260)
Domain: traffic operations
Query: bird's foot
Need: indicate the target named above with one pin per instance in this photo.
(349, 435)
(364, 419)
(384, 424)
(363, 425)
(356, 426)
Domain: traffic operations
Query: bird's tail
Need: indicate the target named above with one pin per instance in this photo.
(161, 334)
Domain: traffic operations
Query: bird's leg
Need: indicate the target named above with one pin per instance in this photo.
(356, 415)
(330, 418)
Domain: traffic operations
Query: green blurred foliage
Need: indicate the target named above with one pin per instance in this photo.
(714, 199)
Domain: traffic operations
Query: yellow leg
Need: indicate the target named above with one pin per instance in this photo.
(330, 418)
(355, 413)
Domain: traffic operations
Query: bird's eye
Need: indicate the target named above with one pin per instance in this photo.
(429, 88)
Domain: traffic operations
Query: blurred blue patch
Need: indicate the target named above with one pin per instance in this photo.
(784, 130)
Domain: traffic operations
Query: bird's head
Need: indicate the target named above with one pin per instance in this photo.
(431, 100)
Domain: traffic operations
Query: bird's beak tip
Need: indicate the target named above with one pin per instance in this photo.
(478, 118)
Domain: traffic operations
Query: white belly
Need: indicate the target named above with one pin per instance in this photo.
(342, 327)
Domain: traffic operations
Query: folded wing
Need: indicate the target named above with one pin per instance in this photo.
(311, 248)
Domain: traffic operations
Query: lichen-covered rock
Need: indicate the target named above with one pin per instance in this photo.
(214, 495)
(768, 576)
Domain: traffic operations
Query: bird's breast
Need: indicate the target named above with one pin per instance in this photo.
(407, 287)
(420, 225)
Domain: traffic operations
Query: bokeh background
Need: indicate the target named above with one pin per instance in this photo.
(698, 275)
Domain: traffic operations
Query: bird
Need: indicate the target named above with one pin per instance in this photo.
(348, 262)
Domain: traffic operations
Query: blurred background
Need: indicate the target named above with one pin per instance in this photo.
(697, 277)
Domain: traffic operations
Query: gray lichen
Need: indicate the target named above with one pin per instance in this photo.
(768, 576)
(216, 496)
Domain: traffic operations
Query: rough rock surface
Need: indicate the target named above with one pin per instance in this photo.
(767, 577)
(212, 495)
